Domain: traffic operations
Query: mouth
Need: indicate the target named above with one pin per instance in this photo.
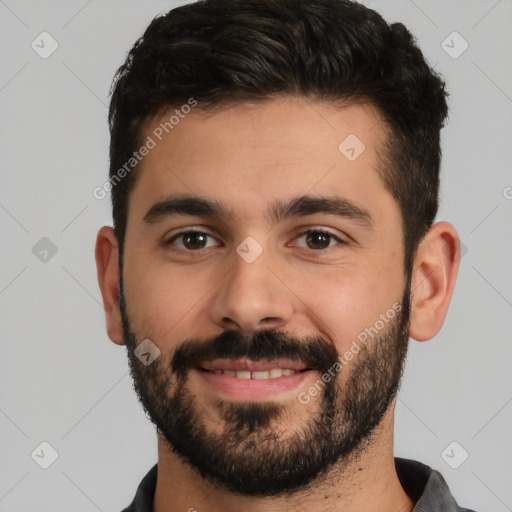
(274, 373)
(243, 379)
(247, 369)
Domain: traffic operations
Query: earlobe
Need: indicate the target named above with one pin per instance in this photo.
(107, 265)
(435, 271)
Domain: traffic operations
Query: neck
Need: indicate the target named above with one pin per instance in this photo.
(368, 484)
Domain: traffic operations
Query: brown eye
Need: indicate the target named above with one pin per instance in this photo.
(318, 240)
(194, 240)
(191, 240)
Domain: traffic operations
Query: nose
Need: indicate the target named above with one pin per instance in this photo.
(252, 297)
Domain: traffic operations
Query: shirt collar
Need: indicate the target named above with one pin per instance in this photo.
(426, 487)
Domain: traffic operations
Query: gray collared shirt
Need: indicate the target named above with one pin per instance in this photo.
(426, 487)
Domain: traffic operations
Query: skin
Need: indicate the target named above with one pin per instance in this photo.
(246, 157)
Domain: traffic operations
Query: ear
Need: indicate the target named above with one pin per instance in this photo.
(435, 271)
(107, 264)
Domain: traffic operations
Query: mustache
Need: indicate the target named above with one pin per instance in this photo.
(313, 351)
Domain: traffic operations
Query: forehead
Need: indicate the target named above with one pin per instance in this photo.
(246, 154)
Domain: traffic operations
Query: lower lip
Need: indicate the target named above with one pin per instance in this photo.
(251, 389)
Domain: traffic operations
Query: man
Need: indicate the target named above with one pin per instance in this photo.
(274, 175)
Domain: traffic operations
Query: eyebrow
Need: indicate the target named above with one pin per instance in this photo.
(279, 211)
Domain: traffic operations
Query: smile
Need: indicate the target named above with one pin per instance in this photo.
(245, 379)
(273, 373)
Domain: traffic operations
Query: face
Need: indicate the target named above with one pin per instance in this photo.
(266, 265)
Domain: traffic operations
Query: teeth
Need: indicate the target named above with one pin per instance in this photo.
(261, 374)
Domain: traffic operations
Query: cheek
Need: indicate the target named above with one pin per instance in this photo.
(345, 303)
(161, 297)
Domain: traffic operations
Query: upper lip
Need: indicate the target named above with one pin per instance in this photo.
(248, 365)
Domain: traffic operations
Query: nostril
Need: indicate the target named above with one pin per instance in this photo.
(227, 320)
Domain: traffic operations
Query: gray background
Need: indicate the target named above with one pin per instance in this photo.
(65, 383)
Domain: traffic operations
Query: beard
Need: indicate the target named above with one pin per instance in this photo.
(252, 454)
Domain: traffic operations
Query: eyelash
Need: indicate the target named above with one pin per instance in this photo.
(175, 237)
